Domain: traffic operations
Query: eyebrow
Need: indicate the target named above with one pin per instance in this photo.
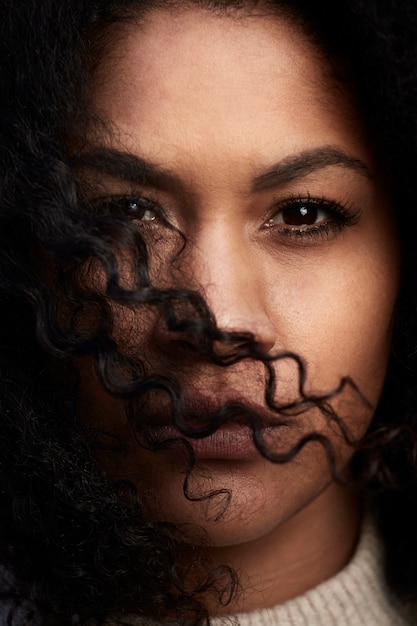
(307, 162)
(125, 166)
(136, 170)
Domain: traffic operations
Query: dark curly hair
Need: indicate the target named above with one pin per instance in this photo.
(75, 543)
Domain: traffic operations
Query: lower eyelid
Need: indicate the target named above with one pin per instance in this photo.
(308, 235)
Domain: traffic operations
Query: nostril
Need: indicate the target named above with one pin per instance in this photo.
(238, 345)
(228, 353)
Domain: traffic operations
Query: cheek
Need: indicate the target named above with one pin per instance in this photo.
(336, 311)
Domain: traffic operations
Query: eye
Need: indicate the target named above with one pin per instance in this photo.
(303, 213)
(139, 209)
(142, 210)
(310, 219)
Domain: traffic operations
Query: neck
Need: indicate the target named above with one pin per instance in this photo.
(310, 547)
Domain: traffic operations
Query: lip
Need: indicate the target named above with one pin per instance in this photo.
(231, 441)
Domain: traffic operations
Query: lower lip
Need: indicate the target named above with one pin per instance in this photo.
(231, 442)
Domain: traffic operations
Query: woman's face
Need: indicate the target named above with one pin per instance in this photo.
(258, 155)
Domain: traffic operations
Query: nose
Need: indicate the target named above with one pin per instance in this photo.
(227, 268)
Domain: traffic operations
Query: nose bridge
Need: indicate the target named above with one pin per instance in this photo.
(227, 268)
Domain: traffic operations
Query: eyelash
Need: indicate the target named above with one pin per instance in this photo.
(340, 214)
(131, 207)
(143, 205)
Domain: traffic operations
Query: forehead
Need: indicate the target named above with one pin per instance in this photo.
(222, 81)
(167, 49)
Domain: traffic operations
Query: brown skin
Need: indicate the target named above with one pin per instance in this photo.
(218, 101)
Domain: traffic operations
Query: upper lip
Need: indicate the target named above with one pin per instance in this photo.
(201, 415)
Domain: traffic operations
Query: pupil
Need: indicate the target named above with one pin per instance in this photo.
(300, 216)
